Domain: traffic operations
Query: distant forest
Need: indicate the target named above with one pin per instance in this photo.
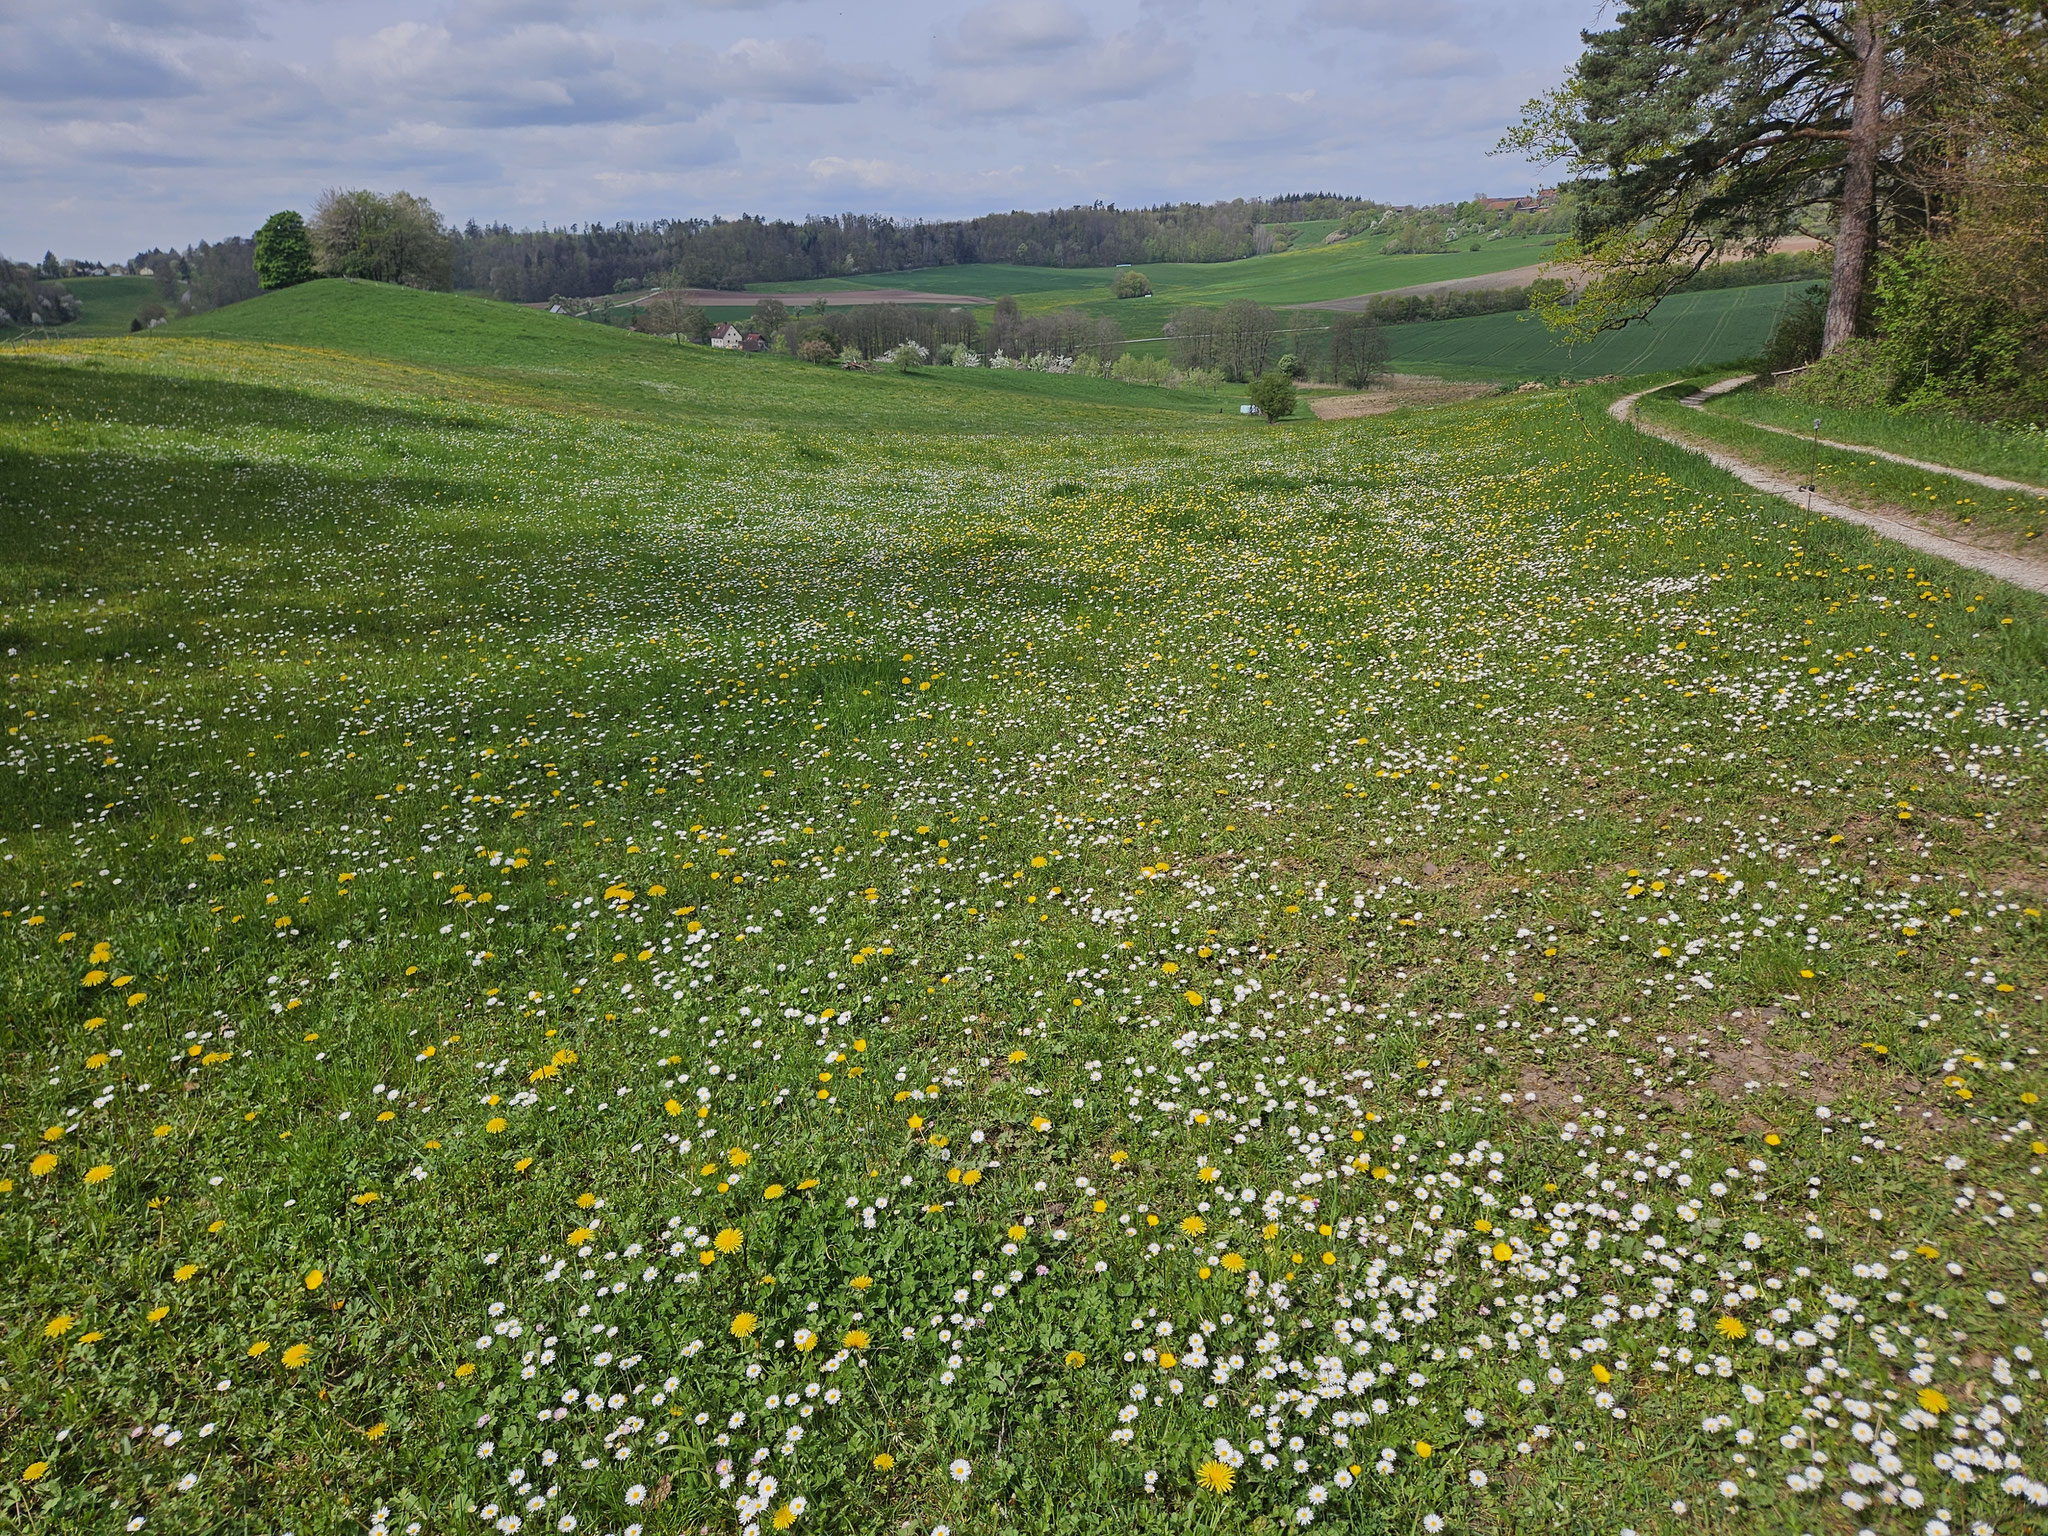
(531, 265)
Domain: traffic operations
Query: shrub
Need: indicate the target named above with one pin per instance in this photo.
(284, 252)
(1854, 375)
(1132, 369)
(815, 350)
(1132, 284)
(907, 355)
(1795, 338)
(1292, 366)
(1273, 394)
(1948, 341)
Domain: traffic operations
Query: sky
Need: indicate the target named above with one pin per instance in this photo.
(131, 124)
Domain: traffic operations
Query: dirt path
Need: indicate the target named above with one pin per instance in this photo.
(2031, 574)
(1699, 398)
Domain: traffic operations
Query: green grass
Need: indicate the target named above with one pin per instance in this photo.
(1951, 440)
(558, 362)
(525, 906)
(1942, 501)
(106, 305)
(1301, 276)
(1687, 330)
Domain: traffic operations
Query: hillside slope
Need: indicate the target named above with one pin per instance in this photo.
(569, 364)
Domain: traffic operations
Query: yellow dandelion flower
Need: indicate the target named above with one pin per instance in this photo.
(260, 1347)
(785, 1517)
(314, 1279)
(738, 1157)
(99, 1174)
(494, 1125)
(1075, 1359)
(585, 1200)
(772, 1192)
(861, 1282)
(1424, 1449)
(1234, 1262)
(1194, 998)
(1215, 1476)
(1932, 1400)
(883, 1462)
(376, 1431)
(58, 1326)
(43, 1163)
(729, 1240)
(744, 1325)
(158, 1314)
(34, 1471)
(184, 1272)
(296, 1356)
(467, 1368)
(855, 1338)
(1732, 1328)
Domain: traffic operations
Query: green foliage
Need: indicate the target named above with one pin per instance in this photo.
(1273, 394)
(1949, 344)
(1855, 375)
(384, 238)
(1132, 284)
(1795, 338)
(770, 315)
(1358, 349)
(284, 251)
(28, 299)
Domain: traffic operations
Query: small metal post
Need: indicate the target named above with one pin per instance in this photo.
(1813, 463)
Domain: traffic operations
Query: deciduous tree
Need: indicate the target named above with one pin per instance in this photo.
(284, 253)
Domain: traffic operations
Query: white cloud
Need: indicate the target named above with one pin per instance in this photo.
(126, 123)
(794, 70)
(1020, 56)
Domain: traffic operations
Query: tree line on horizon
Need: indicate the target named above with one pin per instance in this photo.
(530, 265)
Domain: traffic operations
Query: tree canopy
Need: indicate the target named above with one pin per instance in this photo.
(284, 253)
(386, 238)
(1695, 127)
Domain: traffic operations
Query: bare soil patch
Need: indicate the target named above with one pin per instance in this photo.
(1398, 392)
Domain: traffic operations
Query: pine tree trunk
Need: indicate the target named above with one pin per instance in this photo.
(1859, 187)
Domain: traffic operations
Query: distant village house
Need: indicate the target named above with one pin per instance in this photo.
(731, 338)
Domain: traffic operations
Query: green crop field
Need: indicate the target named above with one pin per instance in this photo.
(1305, 276)
(1688, 330)
(106, 305)
(601, 938)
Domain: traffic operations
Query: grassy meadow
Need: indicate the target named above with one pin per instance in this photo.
(1302, 276)
(602, 937)
(2006, 452)
(2012, 519)
(106, 305)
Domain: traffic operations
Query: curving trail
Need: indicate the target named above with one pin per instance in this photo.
(2031, 574)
